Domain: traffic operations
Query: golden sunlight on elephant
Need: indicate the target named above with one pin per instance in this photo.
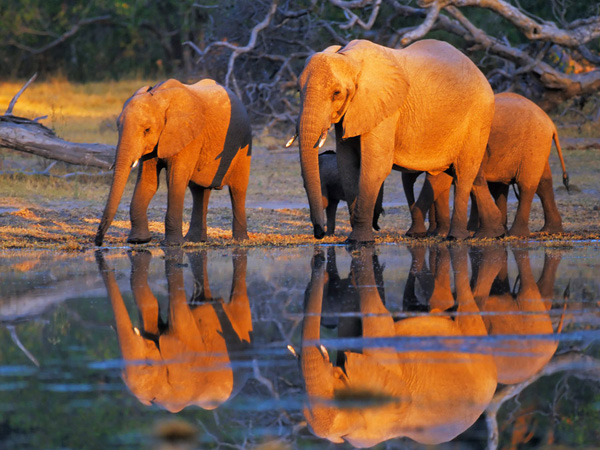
(185, 361)
(520, 313)
(386, 391)
(425, 107)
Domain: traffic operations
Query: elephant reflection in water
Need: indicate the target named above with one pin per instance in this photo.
(185, 361)
(428, 396)
(525, 312)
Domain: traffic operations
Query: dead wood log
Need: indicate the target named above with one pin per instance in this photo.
(24, 135)
(30, 136)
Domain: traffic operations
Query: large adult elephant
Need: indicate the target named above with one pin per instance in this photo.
(201, 135)
(517, 153)
(423, 108)
(428, 394)
(185, 361)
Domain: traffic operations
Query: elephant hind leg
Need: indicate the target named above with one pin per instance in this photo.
(418, 210)
(520, 226)
(552, 219)
(439, 213)
(238, 206)
(490, 218)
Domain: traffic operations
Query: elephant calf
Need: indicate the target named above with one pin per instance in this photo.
(333, 192)
(517, 153)
(201, 135)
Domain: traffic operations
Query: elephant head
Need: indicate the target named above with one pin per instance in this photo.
(336, 86)
(154, 122)
(385, 392)
(185, 361)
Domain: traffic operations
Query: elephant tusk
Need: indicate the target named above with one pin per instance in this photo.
(135, 163)
(292, 351)
(322, 139)
(289, 143)
(136, 331)
(112, 166)
(324, 352)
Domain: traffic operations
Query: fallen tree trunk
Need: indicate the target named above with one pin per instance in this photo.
(24, 135)
(30, 136)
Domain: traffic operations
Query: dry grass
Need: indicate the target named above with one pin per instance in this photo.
(52, 212)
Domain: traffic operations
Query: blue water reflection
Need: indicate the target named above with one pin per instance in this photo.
(484, 346)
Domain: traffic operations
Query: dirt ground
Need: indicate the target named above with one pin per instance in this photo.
(38, 211)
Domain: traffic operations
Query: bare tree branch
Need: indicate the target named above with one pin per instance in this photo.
(353, 19)
(12, 103)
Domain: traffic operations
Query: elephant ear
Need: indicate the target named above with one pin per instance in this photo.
(381, 87)
(332, 49)
(180, 127)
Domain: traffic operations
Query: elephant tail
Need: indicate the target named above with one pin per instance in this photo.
(562, 161)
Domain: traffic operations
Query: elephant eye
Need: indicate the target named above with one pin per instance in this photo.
(336, 94)
(146, 131)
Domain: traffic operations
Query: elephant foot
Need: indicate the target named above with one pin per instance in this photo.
(458, 234)
(519, 231)
(438, 232)
(195, 238)
(139, 238)
(490, 233)
(552, 229)
(318, 232)
(415, 234)
(172, 242)
(361, 237)
(240, 236)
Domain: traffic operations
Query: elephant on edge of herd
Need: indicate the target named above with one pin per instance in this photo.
(517, 153)
(201, 135)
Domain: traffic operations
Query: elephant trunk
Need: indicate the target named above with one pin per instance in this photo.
(122, 169)
(312, 129)
(316, 369)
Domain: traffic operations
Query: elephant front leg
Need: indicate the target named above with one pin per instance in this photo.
(145, 188)
(177, 184)
(198, 228)
(376, 159)
(330, 211)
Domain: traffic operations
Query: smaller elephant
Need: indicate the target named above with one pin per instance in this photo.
(517, 153)
(333, 191)
(201, 135)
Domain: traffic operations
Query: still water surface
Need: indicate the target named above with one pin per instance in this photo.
(395, 346)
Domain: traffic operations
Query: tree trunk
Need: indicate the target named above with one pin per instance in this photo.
(26, 135)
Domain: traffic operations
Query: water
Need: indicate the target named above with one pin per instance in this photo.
(396, 346)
